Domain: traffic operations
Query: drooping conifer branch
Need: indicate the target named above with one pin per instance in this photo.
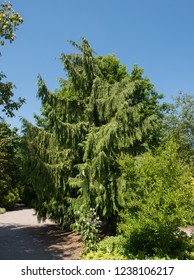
(99, 113)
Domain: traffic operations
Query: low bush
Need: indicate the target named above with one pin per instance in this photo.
(99, 255)
(2, 210)
(158, 199)
(110, 248)
(8, 198)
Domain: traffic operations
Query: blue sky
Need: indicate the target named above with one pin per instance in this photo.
(158, 35)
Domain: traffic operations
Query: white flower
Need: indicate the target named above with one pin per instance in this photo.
(83, 173)
(100, 187)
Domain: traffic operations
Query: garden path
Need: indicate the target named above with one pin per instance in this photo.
(22, 237)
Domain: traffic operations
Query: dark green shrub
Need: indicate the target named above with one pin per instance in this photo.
(9, 197)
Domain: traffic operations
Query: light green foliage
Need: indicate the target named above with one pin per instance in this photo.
(118, 248)
(9, 20)
(99, 255)
(2, 210)
(157, 200)
(113, 244)
(110, 248)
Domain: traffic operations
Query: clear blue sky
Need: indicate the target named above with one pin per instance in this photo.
(158, 35)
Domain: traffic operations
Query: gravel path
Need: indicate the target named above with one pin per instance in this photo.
(23, 238)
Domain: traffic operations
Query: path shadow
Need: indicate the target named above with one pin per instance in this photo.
(18, 207)
(45, 242)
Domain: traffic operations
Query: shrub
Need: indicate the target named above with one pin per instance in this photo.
(158, 199)
(2, 210)
(110, 248)
(8, 197)
(99, 255)
(111, 244)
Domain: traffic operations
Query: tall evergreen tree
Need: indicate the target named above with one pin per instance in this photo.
(99, 113)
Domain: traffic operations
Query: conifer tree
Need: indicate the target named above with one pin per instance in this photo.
(99, 113)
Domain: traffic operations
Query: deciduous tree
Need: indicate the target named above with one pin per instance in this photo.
(9, 21)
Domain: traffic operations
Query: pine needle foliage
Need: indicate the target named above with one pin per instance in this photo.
(99, 113)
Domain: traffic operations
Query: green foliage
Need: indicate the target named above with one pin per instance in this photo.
(180, 125)
(9, 166)
(111, 69)
(6, 94)
(99, 255)
(110, 248)
(118, 248)
(2, 210)
(99, 113)
(26, 192)
(113, 244)
(9, 20)
(157, 200)
(101, 140)
(9, 141)
(88, 225)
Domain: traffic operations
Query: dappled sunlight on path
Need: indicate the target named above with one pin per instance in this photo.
(23, 238)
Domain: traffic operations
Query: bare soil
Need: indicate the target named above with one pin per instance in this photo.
(22, 237)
